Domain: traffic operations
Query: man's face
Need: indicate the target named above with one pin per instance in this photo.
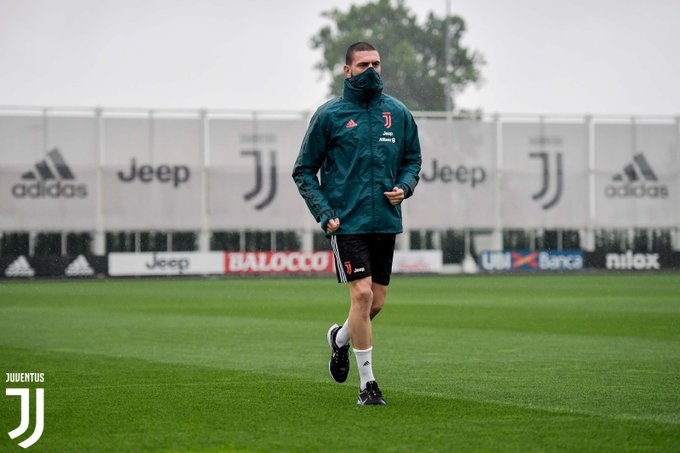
(362, 61)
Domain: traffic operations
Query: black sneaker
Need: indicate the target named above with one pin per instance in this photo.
(338, 365)
(371, 395)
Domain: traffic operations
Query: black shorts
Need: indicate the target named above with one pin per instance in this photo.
(362, 255)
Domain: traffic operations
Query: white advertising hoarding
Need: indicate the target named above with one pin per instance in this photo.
(165, 263)
(417, 261)
(250, 183)
(457, 186)
(545, 175)
(189, 173)
(637, 168)
(48, 173)
(152, 175)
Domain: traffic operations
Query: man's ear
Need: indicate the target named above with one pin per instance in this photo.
(348, 71)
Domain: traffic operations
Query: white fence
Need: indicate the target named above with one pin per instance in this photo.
(105, 170)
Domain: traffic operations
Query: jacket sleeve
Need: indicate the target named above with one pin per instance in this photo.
(310, 159)
(411, 161)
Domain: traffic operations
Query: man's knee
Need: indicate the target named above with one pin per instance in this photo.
(362, 292)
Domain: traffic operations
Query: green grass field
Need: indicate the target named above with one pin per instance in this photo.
(486, 363)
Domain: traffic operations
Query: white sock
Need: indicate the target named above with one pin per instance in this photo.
(365, 365)
(342, 337)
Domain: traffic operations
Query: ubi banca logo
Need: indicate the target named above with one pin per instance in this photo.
(638, 180)
(49, 178)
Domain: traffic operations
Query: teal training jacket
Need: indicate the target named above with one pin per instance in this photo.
(360, 147)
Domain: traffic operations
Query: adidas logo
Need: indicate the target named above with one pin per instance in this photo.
(351, 123)
(19, 268)
(630, 173)
(638, 180)
(49, 178)
(79, 268)
(366, 363)
(43, 169)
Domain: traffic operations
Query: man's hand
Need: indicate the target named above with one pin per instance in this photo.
(333, 225)
(396, 196)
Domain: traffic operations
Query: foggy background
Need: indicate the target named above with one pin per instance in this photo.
(558, 56)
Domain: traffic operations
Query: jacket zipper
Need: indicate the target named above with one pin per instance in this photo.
(372, 149)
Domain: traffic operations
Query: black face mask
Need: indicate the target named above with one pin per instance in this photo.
(368, 81)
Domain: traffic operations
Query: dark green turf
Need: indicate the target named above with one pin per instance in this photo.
(486, 363)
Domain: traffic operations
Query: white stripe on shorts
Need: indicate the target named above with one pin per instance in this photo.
(338, 263)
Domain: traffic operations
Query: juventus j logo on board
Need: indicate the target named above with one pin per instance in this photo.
(259, 178)
(553, 175)
(24, 423)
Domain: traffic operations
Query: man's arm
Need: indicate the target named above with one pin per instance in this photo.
(411, 161)
(311, 157)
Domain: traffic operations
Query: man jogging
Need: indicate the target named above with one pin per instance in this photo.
(364, 146)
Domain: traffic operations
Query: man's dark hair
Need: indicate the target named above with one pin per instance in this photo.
(357, 47)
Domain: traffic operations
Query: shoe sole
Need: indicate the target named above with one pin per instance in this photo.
(328, 336)
(384, 403)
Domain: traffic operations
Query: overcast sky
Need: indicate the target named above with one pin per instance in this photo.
(543, 56)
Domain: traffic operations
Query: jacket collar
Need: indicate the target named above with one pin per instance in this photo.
(359, 96)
